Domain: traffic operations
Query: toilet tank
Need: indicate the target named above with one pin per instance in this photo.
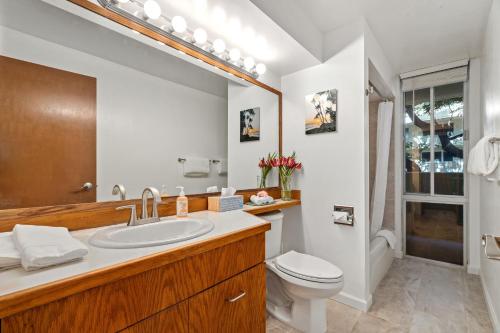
(273, 236)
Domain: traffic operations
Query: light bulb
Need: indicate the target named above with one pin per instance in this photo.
(200, 36)
(179, 24)
(260, 69)
(152, 9)
(234, 54)
(219, 45)
(248, 63)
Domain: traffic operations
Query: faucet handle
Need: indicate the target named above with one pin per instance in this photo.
(133, 214)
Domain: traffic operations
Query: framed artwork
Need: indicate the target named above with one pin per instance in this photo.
(321, 112)
(250, 125)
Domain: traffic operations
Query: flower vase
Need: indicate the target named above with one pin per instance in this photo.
(286, 188)
(262, 183)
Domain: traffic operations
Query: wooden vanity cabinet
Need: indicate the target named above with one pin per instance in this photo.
(218, 290)
(175, 319)
(235, 305)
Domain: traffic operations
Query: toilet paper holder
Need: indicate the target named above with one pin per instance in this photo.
(343, 218)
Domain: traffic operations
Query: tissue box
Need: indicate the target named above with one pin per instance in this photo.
(224, 204)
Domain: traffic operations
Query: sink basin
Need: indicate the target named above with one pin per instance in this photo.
(165, 231)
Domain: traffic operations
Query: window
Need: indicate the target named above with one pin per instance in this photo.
(434, 140)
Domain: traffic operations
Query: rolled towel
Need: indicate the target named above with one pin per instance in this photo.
(9, 255)
(389, 236)
(196, 167)
(483, 158)
(42, 246)
(261, 200)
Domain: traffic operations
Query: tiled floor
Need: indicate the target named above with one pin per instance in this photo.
(414, 297)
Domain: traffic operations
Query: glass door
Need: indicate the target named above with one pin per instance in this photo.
(434, 178)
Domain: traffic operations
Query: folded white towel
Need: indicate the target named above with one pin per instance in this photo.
(389, 236)
(261, 200)
(9, 255)
(483, 158)
(222, 167)
(42, 246)
(196, 167)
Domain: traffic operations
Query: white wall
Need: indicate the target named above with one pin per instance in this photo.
(243, 157)
(490, 191)
(334, 168)
(144, 123)
(374, 56)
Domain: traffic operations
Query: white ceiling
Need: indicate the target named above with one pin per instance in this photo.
(413, 33)
(270, 44)
(289, 34)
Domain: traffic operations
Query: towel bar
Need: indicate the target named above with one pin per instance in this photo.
(491, 247)
(182, 160)
(493, 140)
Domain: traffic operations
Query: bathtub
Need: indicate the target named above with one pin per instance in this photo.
(381, 256)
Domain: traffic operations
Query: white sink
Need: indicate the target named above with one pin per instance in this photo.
(166, 231)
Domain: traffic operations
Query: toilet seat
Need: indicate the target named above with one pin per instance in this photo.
(307, 267)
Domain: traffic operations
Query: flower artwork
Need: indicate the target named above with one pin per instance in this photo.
(321, 112)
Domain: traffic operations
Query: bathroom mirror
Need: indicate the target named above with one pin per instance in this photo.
(84, 107)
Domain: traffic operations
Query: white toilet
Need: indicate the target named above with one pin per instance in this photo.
(298, 285)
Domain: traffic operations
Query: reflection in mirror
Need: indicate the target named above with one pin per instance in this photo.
(85, 108)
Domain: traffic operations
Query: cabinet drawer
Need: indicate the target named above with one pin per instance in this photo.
(172, 320)
(235, 305)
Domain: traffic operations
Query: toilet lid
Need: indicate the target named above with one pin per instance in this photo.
(307, 267)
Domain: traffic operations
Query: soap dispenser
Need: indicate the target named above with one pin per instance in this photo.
(182, 203)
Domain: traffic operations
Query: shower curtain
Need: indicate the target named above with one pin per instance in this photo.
(384, 126)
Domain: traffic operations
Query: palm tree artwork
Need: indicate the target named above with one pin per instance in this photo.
(250, 125)
(321, 113)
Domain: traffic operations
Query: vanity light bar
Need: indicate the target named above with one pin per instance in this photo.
(114, 6)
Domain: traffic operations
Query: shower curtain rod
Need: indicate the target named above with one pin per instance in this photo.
(372, 89)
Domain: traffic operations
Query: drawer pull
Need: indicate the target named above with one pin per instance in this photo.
(237, 298)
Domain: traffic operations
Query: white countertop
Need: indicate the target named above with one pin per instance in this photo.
(18, 279)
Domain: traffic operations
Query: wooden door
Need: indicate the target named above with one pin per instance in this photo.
(47, 135)
(235, 305)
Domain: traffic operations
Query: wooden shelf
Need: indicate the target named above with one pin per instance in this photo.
(279, 204)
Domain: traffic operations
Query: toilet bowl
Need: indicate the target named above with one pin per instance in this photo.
(298, 285)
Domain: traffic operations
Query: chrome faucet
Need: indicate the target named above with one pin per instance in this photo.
(119, 189)
(133, 220)
(156, 200)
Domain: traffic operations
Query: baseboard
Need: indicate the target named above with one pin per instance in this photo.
(355, 302)
(473, 270)
(491, 310)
